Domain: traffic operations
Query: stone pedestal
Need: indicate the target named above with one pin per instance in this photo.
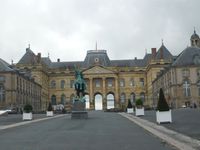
(78, 110)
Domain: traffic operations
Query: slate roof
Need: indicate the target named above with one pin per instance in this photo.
(4, 66)
(194, 35)
(163, 53)
(189, 56)
(28, 58)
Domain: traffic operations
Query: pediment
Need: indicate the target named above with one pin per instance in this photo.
(98, 70)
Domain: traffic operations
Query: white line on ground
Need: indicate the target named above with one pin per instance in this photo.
(28, 122)
(178, 140)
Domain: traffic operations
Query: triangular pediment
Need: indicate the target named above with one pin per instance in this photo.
(98, 70)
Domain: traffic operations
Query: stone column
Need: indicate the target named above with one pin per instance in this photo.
(91, 93)
(104, 93)
(116, 93)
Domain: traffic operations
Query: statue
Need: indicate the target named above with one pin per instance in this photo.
(79, 84)
(78, 107)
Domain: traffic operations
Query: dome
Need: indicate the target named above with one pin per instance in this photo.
(194, 35)
(96, 57)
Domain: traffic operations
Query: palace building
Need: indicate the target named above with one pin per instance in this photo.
(111, 83)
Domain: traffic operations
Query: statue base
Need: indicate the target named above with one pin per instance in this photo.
(78, 110)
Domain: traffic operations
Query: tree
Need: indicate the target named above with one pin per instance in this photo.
(28, 108)
(162, 103)
(129, 104)
(50, 108)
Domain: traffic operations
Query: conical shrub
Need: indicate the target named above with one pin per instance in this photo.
(50, 108)
(162, 103)
(129, 104)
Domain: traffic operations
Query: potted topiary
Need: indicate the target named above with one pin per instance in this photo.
(129, 107)
(139, 109)
(50, 110)
(27, 113)
(163, 113)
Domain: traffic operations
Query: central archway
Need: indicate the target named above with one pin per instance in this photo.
(98, 100)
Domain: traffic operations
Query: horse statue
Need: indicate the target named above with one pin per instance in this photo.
(79, 84)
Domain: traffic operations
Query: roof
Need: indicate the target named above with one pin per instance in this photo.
(163, 53)
(4, 66)
(28, 58)
(194, 35)
(189, 56)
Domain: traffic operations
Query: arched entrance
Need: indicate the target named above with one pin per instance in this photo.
(110, 101)
(98, 100)
(87, 101)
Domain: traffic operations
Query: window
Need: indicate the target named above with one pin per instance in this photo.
(122, 98)
(198, 72)
(63, 97)
(62, 84)
(2, 78)
(198, 87)
(97, 83)
(142, 82)
(53, 84)
(122, 83)
(185, 72)
(142, 96)
(186, 88)
(53, 100)
(133, 98)
(2, 93)
(131, 82)
(72, 84)
(110, 82)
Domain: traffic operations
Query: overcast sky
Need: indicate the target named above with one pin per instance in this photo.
(66, 29)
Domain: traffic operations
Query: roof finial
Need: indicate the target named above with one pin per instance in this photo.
(96, 45)
(29, 46)
(145, 51)
(11, 61)
(48, 54)
(194, 31)
(162, 41)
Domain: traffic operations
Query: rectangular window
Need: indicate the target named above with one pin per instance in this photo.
(2, 78)
(72, 84)
(97, 83)
(142, 82)
(110, 82)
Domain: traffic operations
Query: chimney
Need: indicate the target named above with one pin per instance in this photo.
(39, 57)
(153, 52)
(58, 60)
(135, 58)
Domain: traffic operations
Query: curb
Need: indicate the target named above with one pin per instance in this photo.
(178, 140)
(28, 122)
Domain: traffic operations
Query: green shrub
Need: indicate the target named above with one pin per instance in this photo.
(28, 108)
(129, 104)
(139, 103)
(50, 108)
(162, 103)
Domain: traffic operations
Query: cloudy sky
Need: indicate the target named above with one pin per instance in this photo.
(66, 29)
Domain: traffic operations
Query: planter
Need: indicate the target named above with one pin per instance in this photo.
(163, 116)
(49, 113)
(139, 111)
(27, 116)
(129, 110)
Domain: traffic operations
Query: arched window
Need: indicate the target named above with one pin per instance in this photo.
(53, 100)
(62, 84)
(110, 101)
(53, 84)
(122, 98)
(131, 82)
(198, 87)
(132, 98)
(2, 93)
(63, 99)
(122, 82)
(186, 88)
(142, 96)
